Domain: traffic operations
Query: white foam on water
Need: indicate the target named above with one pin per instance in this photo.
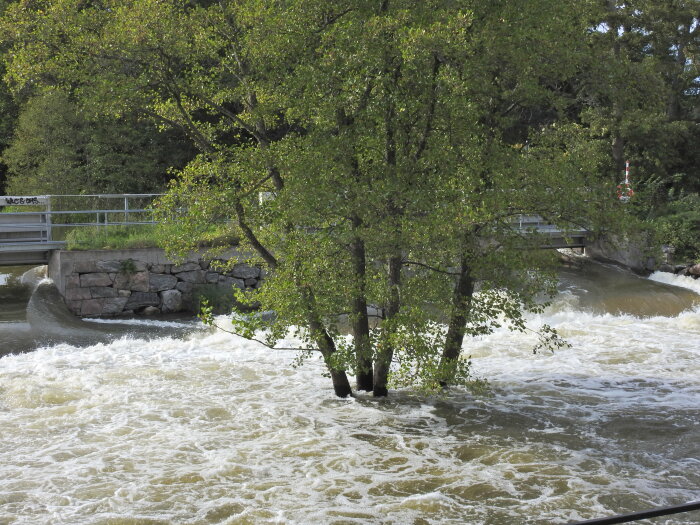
(682, 281)
(211, 428)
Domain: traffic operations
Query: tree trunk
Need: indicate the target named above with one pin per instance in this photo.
(461, 305)
(360, 321)
(386, 351)
(325, 343)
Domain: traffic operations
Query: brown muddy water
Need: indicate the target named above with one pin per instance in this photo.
(160, 422)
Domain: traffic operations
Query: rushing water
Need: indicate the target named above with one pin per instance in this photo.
(200, 427)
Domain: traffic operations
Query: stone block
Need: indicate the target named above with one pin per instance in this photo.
(157, 268)
(185, 267)
(171, 301)
(73, 281)
(230, 282)
(114, 306)
(77, 294)
(243, 271)
(74, 306)
(109, 266)
(124, 293)
(185, 287)
(161, 281)
(195, 276)
(204, 265)
(141, 299)
(137, 282)
(92, 307)
(102, 292)
(250, 283)
(211, 277)
(150, 310)
(95, 279)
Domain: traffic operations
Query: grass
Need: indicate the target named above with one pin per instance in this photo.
(112, 237)
(118, 237)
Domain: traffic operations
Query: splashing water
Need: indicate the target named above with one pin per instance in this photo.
(209, 428)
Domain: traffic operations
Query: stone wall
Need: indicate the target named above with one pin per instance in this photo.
(123, 282)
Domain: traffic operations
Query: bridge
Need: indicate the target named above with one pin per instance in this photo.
(28, 237)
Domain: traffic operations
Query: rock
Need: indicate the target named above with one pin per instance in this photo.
(77, 294)
(694, 270)
(171, 301)
(250, 283)
(243, 271)
(92, 307)
(140, 299)
(114, 305)
(158, 268)
(204, 265)
(211, 277)
(137, 282)
(73, 281)
(679, 268)
(666, 268)
(103, 292)
(124, 293)
(159, 282)
(230, 282)
(195, 276)
(185, 267)
(184, 287)
(74, 306)
(94, 279)
(150, 310)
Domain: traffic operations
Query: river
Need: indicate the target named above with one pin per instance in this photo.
(164, 422)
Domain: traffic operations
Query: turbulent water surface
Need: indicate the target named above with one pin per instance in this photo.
(192, 426)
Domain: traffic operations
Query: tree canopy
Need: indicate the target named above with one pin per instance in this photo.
(374, 154)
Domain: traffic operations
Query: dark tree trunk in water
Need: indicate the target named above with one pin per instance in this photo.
(360, 321)
(461, 304)
(386, 351)
(326, 345)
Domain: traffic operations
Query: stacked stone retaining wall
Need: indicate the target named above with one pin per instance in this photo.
(122, 282)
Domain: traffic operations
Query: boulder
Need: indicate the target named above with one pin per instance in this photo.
(243, 271)
(694, 270)
(195, 276)
(159, 268)
(161, 281)
(666, 268)
(211, 277)
(150, 310)
(230, 282)
(137, 282)
(114, 305)
(185, 267)
(184, 287)
(95, 279)
(92, 307)
(103, 292)
(171, 301)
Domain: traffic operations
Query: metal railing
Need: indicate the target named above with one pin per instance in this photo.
(61, 213)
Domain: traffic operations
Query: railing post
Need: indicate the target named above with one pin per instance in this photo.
(126, 208)
(49, 236)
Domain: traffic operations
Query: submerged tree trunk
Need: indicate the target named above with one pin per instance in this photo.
(385, 352)
(461, 306)
(325, 343)
(360, 321)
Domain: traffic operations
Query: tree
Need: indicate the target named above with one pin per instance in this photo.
(397, 143)
(57, 149)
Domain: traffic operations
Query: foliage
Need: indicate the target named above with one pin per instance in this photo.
(59, 149)
(397, 143)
